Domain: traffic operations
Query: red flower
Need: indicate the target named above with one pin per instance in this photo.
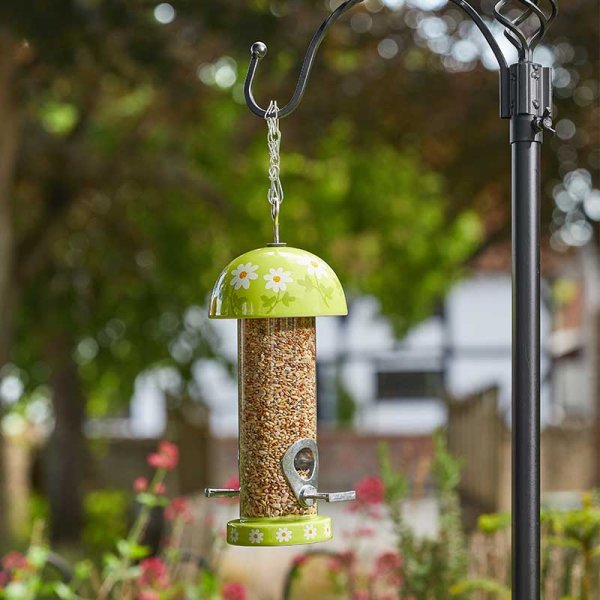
(140, 484)
(360, 595)
(15, 560)
(179, 508)
(154, 573)
(160, 488)
(167, 456)
(370, 490)
(148, 595)
(233, 591)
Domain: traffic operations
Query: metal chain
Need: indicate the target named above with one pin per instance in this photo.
(275, 194)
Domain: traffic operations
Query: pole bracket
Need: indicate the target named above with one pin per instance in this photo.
(530, 101)
(530, 90)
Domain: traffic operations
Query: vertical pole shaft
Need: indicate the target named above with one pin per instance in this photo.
(525, 144)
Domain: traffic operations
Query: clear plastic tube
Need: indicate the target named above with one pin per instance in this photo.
(277, 407)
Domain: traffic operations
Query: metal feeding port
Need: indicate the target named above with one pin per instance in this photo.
(300, 466)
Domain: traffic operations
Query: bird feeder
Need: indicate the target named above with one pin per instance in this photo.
(275, 293)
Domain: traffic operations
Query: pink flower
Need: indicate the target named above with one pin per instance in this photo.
(154, 573)
(160, 488)
(140, 484)
(348, 557)
(387, 567)
(15, 560)
(364, 532)
(299, 560)
(167, 456)
(233, 483)
(233, 591)
(335, 564)
(209, 520)
(4, 579)
(148, 595)
(179, 508)
(370, 490)
(360, 595)
(388, 561)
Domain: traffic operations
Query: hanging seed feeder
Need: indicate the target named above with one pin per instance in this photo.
(275, 293)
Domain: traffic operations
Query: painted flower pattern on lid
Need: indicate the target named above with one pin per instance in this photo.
(277, 282)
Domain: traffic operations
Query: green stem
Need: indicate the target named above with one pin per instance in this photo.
(134, 537)
(275, 303)
(586, 583)
(319, 289)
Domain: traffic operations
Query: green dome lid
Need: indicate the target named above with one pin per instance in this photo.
(277, 281)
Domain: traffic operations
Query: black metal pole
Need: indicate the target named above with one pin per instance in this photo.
(530, 101)
(525, 144)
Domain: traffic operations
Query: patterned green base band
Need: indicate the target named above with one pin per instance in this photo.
(279, 532)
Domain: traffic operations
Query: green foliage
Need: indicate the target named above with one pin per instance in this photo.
(576, 534)
(430, 567)
(377, 214)
(346, 406)
(106, 516)
(570, 538)
(395, 483)
(491, 523)
(488, 586)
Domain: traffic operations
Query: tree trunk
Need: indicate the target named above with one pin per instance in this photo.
(9, 135)
(66, 452)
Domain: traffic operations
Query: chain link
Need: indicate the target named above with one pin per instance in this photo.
(275, 194)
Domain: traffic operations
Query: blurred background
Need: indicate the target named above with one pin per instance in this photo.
(131, 173)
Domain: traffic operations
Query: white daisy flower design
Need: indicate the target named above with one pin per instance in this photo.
(234, 535)
(310, 532)
(277, 279)
(327, 531)
(283, 534)
(242, 275)
(313, 266)
(256, 536)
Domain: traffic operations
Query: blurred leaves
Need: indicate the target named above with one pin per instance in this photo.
(140, 175)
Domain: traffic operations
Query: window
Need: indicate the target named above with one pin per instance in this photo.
(400, 385)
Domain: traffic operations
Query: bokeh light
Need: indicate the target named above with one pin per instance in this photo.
(164, 13)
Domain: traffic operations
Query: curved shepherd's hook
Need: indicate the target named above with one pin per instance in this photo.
(259, 50)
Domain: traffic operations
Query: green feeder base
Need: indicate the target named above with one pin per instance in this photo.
(279, 531)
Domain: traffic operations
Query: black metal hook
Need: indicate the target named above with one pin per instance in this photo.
(259, 50)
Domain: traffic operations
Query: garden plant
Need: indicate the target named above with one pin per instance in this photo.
(450, 565)
(442, 567)
(129, 571)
